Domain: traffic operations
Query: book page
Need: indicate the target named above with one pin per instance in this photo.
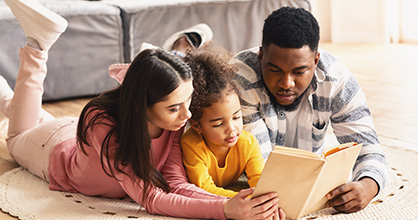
(296, 151)
(337, 170)
(337, 148)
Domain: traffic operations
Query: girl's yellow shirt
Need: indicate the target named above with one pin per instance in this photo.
(202, 166)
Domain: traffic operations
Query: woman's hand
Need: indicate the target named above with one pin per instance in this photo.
(243, 207)
(279, 215)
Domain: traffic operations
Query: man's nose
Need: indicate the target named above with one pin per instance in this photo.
(287, 81)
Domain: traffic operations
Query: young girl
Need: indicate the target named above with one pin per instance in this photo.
(216, 151)
(127, 141)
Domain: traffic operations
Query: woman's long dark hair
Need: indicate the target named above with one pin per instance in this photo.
(152, 76)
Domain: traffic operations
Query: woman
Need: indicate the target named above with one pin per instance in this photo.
(127, 139)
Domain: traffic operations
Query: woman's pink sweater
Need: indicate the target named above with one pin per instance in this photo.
(73, 171)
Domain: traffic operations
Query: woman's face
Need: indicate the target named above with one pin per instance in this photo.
(173, 112)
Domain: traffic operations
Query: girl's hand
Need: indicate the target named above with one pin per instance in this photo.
(243, 207)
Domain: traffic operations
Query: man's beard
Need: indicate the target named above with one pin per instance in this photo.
(287, 108)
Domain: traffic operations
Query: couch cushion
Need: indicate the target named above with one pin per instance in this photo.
(236, 24)
(78, 61)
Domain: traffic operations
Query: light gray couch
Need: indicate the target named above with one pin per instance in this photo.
(101, 33)
(78, 61)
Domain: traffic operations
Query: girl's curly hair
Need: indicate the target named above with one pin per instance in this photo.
(213, 76)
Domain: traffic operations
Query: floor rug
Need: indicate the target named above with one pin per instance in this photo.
(28, 197)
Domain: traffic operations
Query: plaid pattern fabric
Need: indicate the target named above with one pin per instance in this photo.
(333, 98)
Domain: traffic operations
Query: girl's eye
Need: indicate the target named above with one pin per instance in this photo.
(217, 125)
(174, 110)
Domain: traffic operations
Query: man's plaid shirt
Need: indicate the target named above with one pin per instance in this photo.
(333, 98)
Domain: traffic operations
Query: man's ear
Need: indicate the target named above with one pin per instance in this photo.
(318, 54)
(195, 126)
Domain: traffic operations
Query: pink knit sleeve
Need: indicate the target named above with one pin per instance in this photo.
(185, 199)
(172, 204)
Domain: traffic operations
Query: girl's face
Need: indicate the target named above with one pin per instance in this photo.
(221, 123)
(173, 112)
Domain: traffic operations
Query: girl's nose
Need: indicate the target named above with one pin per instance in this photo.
(231, 131)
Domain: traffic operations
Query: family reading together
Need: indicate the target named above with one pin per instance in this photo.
(132, 140)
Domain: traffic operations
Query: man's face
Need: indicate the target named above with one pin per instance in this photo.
(287, 72)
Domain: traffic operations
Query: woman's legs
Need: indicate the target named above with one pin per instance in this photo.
(26, 104)
(30, 142)
(6, 96)
(42, 28)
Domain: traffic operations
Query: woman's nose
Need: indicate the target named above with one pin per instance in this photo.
(186, 113)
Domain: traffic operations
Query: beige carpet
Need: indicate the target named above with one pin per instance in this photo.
(28, 197)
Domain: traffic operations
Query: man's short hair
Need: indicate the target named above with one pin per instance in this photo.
(289, 27)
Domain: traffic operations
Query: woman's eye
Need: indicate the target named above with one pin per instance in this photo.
(237, 117)
(174, 110)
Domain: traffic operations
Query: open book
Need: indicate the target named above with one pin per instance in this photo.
(301, 178)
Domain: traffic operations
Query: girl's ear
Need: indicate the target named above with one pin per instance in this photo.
(195, 126)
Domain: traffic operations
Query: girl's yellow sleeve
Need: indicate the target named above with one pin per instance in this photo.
(197, 161)
(255, 161)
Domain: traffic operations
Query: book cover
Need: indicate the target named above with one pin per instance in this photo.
(301, 178)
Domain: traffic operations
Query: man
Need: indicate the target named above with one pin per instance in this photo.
(293, 91)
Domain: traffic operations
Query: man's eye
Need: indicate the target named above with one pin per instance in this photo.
(237, 117)
(274, 70)
(299, 73)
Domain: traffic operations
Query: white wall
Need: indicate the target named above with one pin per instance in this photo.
(355, 21)
(321, 9)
